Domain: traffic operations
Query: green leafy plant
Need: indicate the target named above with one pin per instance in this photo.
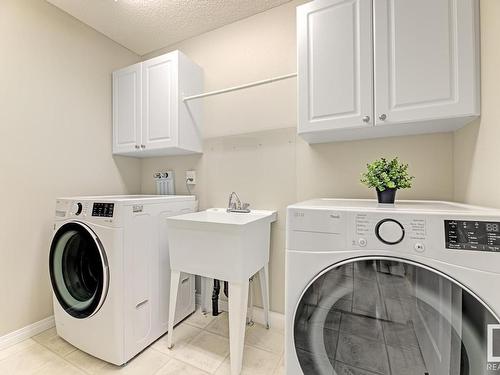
(385, 174)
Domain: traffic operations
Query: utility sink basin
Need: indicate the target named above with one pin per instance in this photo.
(219, 244)
(229, 246)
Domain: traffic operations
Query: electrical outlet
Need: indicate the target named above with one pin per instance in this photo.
(191, 177)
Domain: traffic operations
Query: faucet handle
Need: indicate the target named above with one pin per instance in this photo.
(245, 206)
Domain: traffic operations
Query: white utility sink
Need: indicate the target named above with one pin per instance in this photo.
(219, 244)
(227, 246)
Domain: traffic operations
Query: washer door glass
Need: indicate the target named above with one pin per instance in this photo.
(78, 270)
(391, 316)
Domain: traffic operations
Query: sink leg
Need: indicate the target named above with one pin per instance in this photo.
(175, 278)
(203, 295)
(264, 288)
(250, 307)
(238, 301)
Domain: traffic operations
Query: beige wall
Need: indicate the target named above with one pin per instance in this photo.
(55, 127)
(251, 145)
(255, 48)
(477, 146)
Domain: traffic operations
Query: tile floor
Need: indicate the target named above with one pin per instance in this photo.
(201, 347)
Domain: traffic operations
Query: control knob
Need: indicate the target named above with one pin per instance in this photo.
(390, 231)
(76, 209)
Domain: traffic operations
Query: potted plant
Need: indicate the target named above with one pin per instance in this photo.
(387, 176)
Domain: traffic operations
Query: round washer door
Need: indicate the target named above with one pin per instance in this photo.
(78, 270)
(382, 315)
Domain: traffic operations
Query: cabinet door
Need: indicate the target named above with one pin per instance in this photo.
(335, 64)
(159, 97)
(127, 109)
(426, 60)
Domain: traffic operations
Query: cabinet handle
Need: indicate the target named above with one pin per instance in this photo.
(143, 146)
(136, 147)
(382, 117)
(366, 119)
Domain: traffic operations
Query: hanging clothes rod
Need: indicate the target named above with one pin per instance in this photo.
(235, 88)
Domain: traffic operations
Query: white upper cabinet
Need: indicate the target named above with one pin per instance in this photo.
(335, 64)
(426, 60)
(163, 124)
(127, 109)
(159, 92)
(423, 76)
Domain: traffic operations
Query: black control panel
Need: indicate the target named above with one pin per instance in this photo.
(103, 209)
(472, 235)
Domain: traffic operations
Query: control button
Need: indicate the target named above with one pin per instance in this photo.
(76, 208)
(419, 247)
(389, 231)
(362, 242)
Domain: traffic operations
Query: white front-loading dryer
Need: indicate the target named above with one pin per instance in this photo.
(88, 297)
(380, 289)
(110, 270)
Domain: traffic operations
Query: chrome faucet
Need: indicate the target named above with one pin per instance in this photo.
(235, 204)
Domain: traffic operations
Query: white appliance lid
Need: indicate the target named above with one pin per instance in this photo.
(135, 198)
(402, 205)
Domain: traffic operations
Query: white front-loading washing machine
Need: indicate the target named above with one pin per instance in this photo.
(110, 272)
(411, 288)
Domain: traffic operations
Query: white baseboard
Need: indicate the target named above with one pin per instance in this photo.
(276, 320)
(26, 332)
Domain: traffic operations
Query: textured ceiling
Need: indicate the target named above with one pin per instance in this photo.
(146, 25)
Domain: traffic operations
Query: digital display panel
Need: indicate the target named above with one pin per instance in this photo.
(103, 209)
(492, 227)
(472, 235)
